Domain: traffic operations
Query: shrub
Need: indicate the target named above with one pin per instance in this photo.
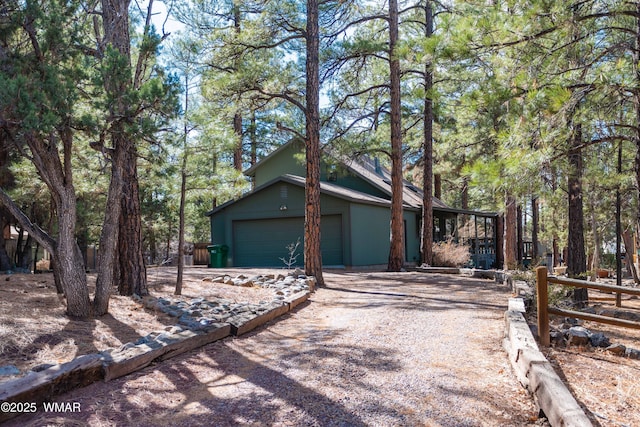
(450, 254)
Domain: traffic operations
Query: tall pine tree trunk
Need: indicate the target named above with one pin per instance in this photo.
(107, 250)
(396, 250)
(5, 180)
(597, 242)
(254, 140)
(237, 151)
(427, 152)
(312, 218)
(636, 65)
(576, 255)
(510, 242)
(535, 225)
(117, 77)
(628, 246)
(5, 262)
(183, 188)
(519, 235)
(465, 193)
(437, 186)
(133, 272)
(237, 117)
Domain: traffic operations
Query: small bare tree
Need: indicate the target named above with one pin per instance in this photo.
(293, 254)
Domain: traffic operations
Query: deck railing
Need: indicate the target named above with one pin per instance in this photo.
(542, 281)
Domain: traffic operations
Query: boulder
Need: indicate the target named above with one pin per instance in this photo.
(632, 353)
(577, 335)
(617, 349)
(599, 340)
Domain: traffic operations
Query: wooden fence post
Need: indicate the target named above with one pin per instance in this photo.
(543, 304)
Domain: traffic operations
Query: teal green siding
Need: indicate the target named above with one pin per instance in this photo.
(290, 160)
(370, 234)
(265, 211)
(261, 243)
(265, 242)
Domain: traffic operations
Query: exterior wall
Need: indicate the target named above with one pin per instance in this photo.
(370, 235)
(412, 236)
(290, 160)
(269, 203)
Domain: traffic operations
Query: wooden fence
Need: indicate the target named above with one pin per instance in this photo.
(544, 310)
(200, 254)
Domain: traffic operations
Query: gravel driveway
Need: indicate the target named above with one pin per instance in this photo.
(374, 349)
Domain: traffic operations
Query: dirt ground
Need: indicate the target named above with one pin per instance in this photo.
(606, 385)
(34, 332)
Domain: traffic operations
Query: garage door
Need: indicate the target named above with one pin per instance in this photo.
(261, 243)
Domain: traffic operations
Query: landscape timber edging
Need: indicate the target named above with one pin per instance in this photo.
(38, 387)
(43, 386)
(536, 374)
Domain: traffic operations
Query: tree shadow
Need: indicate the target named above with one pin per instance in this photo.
(249, 381)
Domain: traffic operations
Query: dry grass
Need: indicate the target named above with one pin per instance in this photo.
(450, 254)
(34, 329)
(606, 385)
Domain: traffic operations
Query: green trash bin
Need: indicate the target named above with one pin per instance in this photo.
(218, 255)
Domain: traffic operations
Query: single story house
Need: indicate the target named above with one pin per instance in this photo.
(355, 206)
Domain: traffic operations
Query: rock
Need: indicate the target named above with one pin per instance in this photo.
(632, 353)
(577, 335)
(617, 349)
(556, 337)
(9, 370)
(42, 367)
(599, 340)
(570, 321)
(173, 329)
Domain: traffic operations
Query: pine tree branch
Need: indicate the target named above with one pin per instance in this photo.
(278, 43)
(34, 230)
(280, 126)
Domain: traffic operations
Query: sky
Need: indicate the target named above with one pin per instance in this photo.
(159, 17)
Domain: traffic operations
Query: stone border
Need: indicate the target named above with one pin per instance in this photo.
(38, 387)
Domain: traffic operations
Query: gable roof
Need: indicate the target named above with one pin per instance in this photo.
(367, 168)
(325, 188)
(370, 170)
